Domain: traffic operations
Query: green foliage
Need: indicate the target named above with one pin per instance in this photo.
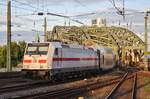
(17, 51)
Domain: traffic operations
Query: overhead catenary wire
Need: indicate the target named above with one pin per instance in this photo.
(25, 4)
(119, 11)
(114, 4)
(32, 8)
(35, 9)
(18, 7)
(64, 16)
(80, 3)
(25, 14)
(54, 14)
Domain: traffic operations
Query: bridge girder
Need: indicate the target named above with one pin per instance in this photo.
(108, 36)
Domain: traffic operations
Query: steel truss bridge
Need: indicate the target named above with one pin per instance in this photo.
(113, 37)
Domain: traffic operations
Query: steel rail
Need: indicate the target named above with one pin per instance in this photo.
(24, 86)
(117, 86)
(31, 85)
(7, 75)
(134, 87)
(66, 92)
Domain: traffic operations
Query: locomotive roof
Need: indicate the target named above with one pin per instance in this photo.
(62, 45)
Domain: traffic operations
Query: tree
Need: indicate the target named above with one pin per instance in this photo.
(22, 46)
(3, 56)
(17, 52)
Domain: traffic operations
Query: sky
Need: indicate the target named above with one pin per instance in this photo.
(25, 24)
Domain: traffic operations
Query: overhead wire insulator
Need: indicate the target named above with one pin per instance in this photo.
(40, 13)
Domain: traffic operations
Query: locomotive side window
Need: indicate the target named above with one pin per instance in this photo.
(56, 51)
(37, 49)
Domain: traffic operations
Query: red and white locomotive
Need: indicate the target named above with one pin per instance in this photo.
(51, 59)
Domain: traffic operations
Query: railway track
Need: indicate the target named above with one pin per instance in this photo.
(7, 75)
(67, 92)
(13, 82)
(125, 88)
(63, 93)
(25, 86)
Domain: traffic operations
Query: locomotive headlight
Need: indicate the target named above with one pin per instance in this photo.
(41, 66)
(26, 66)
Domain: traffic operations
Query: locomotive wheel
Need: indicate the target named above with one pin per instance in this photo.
(53, 79)
(46, 76)
(24, 73)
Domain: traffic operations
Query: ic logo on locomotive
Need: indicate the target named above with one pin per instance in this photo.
(35, 58)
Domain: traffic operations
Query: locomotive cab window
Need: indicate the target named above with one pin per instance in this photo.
(37, 49)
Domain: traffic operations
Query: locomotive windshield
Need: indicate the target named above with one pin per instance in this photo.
(37, 49)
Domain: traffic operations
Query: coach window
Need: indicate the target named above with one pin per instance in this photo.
(56, 51)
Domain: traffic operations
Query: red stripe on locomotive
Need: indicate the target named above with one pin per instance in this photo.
(89, 58)
(73, 59)
(42, 61)
(27, 61)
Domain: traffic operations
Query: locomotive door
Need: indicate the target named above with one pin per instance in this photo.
(99, 58)
(58, 55)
